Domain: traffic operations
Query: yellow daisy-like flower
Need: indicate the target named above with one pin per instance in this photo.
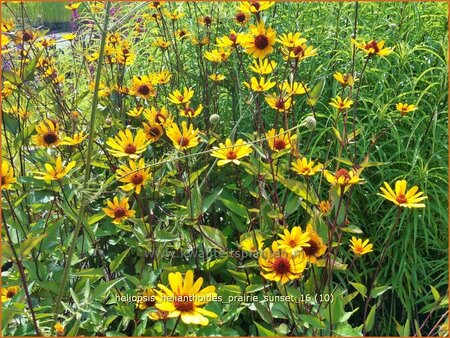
(123, 54)
(190, 112)
(263, 67)
(119, 210)
(134, 175)
(162, 77)
(136, 111)
(251, 241)
(175, 15)
(156, 4)
(57, 172)
(7, 88)
(158, 116)
(316, 246)
(294, 241)
(45, 42)
(401, 197)
(72, 6)
(158, 315)
(325, 207)
(255, 6)
(47, 134)
(186, 300)
(7, 25)
(142, 86)
(205, 20)
(69, 36)
(75, 140)
(92, 56)
(232, 40)
(59, 329)
(341, 104)
(217, 77)
(280, 103)
(217, 55)
(299, 52)
(291, 40)
(230, 152)
(405, 108)
(359, 247)
(161, 43)
(147, 299)
(123, 144)
(281, 266)
(7, 178)
(181, 33)
(344, 79)
(242, 18)
(184, 139)
(153, 131)
(9, 292)
(97, 6)
(176, 97)
(259, 42)
(342, 177)
(373, 48)
(294, 88)
(261, 86)
(306, 168)
(281, 140)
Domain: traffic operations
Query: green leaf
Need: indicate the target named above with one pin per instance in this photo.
(215, 264)
(235, 207)
(208, 201)
(435, 293)
(370, 320)
(262, 331)
(212, 236)
(315, 93)
(299, 189)
(313, 321)
(119, 258)
(378, 291)
(103, 289)
(362, 289)
(31, 66)
(27, 245)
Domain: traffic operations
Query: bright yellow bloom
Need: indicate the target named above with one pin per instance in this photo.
(55, 173)
(263, 67)
(291, 40)
(252, 241)
(175, 15)
(184, 139)
(306, 168)
(69, 36)
(136, 111)
(342, 177)
(281, 266)
(294, 88)
(340, 104)
(205, 20)
(230, 152)
(186, 300)
(373, 48)
(259, 42)
(217, 77)
(281, 103)
(135, 175)
(92, 56)
(160, 42)
(260, 86)
(7, 88)
(156, 4)
(176, 97)
(191, 112)
(157, 315)
(7, 178)
(7, 25)
(47, 134)
(359, 247)
(73, 141)
(97, 6)
(9, 292)
(299, 52)
(142, 86)
(181, 33)
(255, 6)
(344, 79)
(59, 328)
(325, 207)
(123, 54)
(119, 210)
(148, 299)
(405, 108)
(293, 241)
(231, 40)
(281, 140)
(162, 77)
(123, 144)
(153, 131)
(401, 197)
(242, 18)
(316, 246)
(217, 56)
(72, 6)
(45, 42)
(161, 116)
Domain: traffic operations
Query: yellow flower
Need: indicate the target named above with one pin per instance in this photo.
(255, 6)
(156, 4)
(325, 207)
(123, 54)
(68, 36)
(316, 247)
(405, 108)
(281, 140)
(142, 86)
(72, 6)
(7, 25)
(230, 152)
(342, 177)
(281, 266)
(340, 104)
(263, 67)
(160, 42)
(9, 292)
(293, 241)
(401, 197)
(93, 56)
(59, 328)
(97, 6)
(7, 88)
(217, 77)
(291, 40)
(299, 52)
(281, 103)
(47, 134)
(260, 86)
(162, 77)
(185, 139)
(45, 42)
(306, 168)
(359, 247)
(191, 112)
(124, 144)
(147, 299)
(217, 56)
(136, 111)
(161, 116)
(241, 18)
(119, 210)
(175, 15)
(73, 141)
(176, 97)
(7, 178)
(157, 315)
(181, 33)
(344, 79)
(153, 131)
(259, 42)
(134, 175)
(205, 20)
(55, 173)
(231, 40)
(186, 300)
(252, 241)
(373, 48)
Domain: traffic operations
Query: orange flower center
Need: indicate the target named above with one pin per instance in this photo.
(372, 44)
(342, 172)
(282, 266)
(119, 212)
(130, 148)
(261, 41)
(231, 155)
(292, 243)
(279, 144)
(401, 199)
(50, 137)
(137, 179)
(183, 304)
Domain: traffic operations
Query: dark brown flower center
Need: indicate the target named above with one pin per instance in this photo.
(119, 212)
(27, 36)
(342, 172)
(156, 4)
(183, 141)
(207, 20)
(130, 148)
(137, 178)
(10, 294)
(183, 304)
(155, 132)
(182, 33)
(50, 138)
(261, 41)
(282, 265)
(233, 37)
(279, 144)
(160, 118)
(312, 249)
(231, 155)
(280, 104)
(372, 44)
(240, 17)
(298, 51)
(401, 199)
(143, 90)
(256, 5)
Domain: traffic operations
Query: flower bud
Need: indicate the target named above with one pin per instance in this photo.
(310, 123)
(214, 118)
